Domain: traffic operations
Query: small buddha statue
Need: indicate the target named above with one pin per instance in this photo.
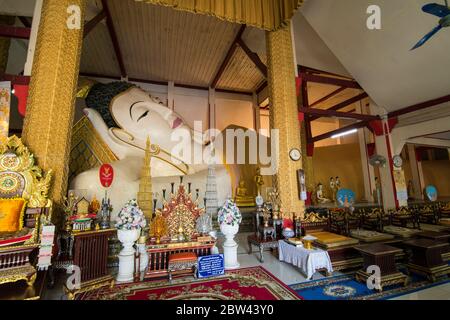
(320, 196)
(259, 181)
(94, 206)
(242, 198)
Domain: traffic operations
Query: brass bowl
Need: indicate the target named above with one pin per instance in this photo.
(307, 244)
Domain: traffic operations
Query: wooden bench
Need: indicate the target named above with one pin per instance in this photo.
(184, 262)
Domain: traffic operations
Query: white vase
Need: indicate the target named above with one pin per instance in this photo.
(126, 256)
(230, 246)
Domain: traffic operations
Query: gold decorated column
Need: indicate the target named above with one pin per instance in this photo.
(284, 117)
(50, 110)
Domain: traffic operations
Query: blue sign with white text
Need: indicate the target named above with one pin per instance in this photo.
(210, 266)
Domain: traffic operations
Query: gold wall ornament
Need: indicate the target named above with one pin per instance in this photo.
(50, 110)
(284, 117)
(16, 161)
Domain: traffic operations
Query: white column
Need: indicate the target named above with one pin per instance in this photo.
(256, 113)
(33, 37)
(383, 147)
(212, 108)
(368, 171)
(416, 168)
(171, 95)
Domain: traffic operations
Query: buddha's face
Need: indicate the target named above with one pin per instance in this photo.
(139, 114)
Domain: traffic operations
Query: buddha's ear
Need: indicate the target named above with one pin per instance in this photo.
(96, 119)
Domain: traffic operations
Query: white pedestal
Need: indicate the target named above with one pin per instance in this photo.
(126, 256)
(142, 248)
(230, 246)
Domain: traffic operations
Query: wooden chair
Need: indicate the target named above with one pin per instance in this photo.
(444, 210)
(403, 216)
(427, 214)
(21, 178)
(342, 221)
(374, 219)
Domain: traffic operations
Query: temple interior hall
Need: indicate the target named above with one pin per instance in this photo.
(178, 150)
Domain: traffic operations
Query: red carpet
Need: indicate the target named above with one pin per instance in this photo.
(242, 284)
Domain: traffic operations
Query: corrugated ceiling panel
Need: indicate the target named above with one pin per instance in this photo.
(98, 53)
(241, 74)
(159, 43)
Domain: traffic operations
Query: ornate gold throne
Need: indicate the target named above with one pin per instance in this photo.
(181, 214)
(21, 178)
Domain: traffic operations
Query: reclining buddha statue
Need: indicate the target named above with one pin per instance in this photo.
(124, 116)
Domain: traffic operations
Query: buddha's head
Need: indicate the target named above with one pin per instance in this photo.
(127, 107)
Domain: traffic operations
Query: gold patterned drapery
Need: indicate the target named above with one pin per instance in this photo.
(265, 14)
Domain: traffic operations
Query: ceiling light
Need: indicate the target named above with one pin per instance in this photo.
(346, 133)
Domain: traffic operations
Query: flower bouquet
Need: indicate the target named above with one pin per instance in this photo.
(130, 217)
(229, 214)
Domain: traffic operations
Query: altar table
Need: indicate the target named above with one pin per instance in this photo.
(427, 258)
(383, 256)
(309, 261)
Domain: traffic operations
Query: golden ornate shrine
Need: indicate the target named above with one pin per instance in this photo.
(181, 214)
(21, 178)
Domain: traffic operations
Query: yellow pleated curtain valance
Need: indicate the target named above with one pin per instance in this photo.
(265, 14)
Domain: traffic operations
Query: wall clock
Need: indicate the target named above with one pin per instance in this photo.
(398, 161)
(295, 154)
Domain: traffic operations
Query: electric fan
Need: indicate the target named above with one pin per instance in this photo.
(441, 11)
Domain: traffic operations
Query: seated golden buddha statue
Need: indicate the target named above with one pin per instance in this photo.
(242, 198)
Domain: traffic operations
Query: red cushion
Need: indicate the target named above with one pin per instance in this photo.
(184, 256)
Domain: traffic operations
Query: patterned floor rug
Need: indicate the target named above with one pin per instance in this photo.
(345, 287)
(242, 284)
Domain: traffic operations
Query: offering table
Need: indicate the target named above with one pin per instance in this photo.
(159, 255)
(427, 259)
(440, 237)
(383, 256)
(308, 260)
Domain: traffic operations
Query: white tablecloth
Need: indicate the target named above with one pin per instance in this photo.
(309, 261)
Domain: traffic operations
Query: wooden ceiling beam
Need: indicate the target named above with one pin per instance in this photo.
(113, 35)
(24, 80)
(302, 69)
(15, 32)
(254, 57)
(161, 83)
(329, 80)
(25, 21)
(94, 22)
(419, 106)
(228, 57)
(337, 114)
(344, 104)
(358, 125)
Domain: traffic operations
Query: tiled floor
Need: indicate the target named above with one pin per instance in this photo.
(287, 274)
